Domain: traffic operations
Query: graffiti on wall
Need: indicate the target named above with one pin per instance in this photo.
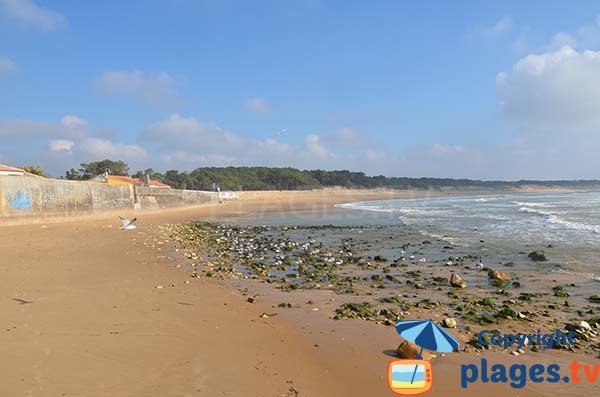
(20, 201)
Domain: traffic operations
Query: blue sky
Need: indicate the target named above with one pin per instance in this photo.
(460, 89)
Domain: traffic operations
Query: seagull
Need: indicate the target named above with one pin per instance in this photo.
(127, 224)
(22, 301)
(283, 131)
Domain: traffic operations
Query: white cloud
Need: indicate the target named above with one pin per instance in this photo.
(159, 89)
(259, 105)
(183, 133)
(503, 25)
(19, 130)
(315, 149)
(61, 145)
(584, 38)
(348, 137)
(98, 149)
(7, 66)
(562, 39)
(553, 92)
(27, 12)
(188, 143)
(73, 122)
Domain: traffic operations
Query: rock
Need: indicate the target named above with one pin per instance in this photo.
(449, 322)
(496, 275)
(584, 325)
(457, 281)
(507, 312)
(362, 310)
(265, 315)
(486, 302)
(594, 298)
(515, 353)
(159, 287)
(538, 256)
(379, 258)
(560, 292)
(410, 351)
(251, 299)
(487, 319)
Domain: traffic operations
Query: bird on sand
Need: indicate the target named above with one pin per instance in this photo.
(127, 224)
(22, 301)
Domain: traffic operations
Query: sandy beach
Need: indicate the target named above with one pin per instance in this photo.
(90, 310)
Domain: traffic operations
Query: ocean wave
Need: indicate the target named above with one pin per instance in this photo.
(530, 204)
(574, 225)
(530, 210)
(380, 208)
(366, 207)
(587, 275)
(557, 220)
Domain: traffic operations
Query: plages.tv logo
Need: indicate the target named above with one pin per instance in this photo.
(408, 377)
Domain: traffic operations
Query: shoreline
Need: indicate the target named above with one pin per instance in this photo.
(97, 324)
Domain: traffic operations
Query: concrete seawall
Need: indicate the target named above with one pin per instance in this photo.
(34, 200)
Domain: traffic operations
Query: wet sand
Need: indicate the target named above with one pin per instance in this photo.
(82, 316)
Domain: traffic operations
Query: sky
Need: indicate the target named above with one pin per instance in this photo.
(464, 89)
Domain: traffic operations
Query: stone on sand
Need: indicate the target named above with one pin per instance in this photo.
(457, 281)
(410, 351)
(496, 275)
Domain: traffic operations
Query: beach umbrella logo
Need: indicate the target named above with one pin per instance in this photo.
(408, 377)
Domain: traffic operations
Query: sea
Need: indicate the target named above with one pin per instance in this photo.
(565, 224)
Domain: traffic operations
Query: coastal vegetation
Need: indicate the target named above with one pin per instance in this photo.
(35, 170)
(287, 178)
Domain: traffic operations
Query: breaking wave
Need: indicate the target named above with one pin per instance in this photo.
(558, 220)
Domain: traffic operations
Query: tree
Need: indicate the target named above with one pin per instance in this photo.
(157, 176)
(73, 175)
(35, 170)
(91, 170)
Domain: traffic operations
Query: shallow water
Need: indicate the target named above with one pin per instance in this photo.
(569, 222)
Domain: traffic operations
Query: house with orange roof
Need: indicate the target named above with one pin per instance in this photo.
(130, 181)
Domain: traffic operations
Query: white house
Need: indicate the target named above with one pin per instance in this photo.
(7, 170)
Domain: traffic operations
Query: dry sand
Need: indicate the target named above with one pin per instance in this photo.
(81, 316)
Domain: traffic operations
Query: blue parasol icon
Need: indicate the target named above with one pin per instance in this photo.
(427, 335)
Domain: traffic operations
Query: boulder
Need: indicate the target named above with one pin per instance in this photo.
(449, 322)
(457, 281)
(410, 351)
(594, 298)
(538, 256)
(496, 275)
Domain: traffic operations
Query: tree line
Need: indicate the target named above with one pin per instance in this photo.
(270, 178)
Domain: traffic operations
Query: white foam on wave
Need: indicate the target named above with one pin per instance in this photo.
(534, 211)
(557, 220)
(528, 204)
(366, 207)
(586, 275)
